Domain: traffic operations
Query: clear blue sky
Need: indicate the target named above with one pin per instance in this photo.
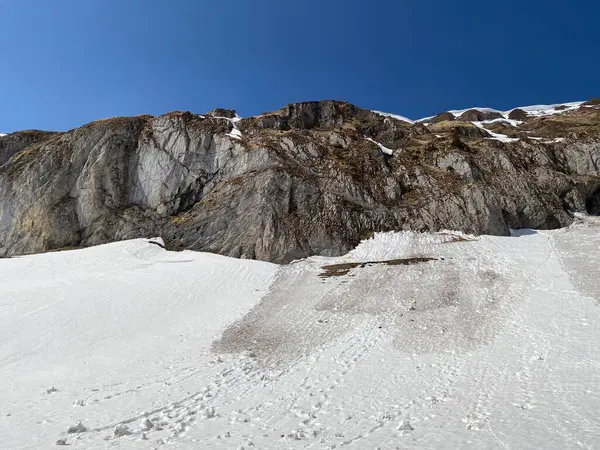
(68, 62)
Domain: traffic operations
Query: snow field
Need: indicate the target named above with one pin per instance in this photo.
(491, 344)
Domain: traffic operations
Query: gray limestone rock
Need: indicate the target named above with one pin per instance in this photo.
(300, 181)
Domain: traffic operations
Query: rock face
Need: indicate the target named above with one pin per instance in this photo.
(300, 181)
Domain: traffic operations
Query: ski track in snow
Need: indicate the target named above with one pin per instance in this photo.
(490, 345)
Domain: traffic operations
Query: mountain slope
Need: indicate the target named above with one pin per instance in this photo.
(313, 178)
(491, 343)
(107, 325)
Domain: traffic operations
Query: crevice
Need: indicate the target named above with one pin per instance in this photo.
(592, 202)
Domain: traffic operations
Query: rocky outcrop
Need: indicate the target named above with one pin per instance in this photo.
(476, 115)
(517, 114)
(592, 102)
(460, 128)
(14, 143)
(311, 178)
(442, 117)
(221, 112)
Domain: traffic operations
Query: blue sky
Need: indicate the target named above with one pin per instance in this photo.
(68, 62)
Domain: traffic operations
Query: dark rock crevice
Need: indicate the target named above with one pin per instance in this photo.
(592, 202)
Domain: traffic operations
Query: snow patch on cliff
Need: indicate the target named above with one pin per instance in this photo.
(394, 116)
(497, 136)
(383, 148)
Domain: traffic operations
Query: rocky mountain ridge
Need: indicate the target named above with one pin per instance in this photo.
(310, 178)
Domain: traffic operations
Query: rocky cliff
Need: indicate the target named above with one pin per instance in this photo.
(311, 178)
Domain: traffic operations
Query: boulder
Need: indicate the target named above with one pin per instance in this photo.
(476, 115)
(517, 114)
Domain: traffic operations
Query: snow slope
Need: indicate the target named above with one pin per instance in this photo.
(490, 344)
(534, 111)
(120, 328)
(235, 132)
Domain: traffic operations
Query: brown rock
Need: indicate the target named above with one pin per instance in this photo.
(221, 112)
(442, 117)
(459, 128)
(475, 115)
(517, 114)
(592, 102)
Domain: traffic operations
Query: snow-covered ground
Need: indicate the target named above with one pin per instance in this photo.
(490, 344)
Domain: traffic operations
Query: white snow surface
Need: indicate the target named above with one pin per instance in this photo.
(534, 110)
(235, 132)
(383, 148)
(514, 123)
(498, 136)
(548, 110)
(493, 344)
